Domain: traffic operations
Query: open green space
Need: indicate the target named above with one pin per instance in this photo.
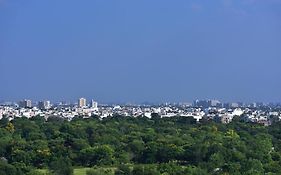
(80, 171)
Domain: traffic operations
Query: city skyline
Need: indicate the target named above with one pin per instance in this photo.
(83, 102)
(129, 51)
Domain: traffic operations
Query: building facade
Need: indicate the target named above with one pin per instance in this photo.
(82, 102)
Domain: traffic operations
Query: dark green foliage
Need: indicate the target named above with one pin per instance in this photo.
(61, 166)
(8, 169)
(98, 155)
(174, 146)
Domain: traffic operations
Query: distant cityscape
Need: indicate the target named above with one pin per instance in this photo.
(256, 112)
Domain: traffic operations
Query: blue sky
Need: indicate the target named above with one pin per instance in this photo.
(140, 50)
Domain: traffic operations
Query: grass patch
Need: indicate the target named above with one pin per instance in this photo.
(42, 171)
(77, 171)
(80, 171)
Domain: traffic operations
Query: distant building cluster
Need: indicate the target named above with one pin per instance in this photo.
(199, 110)
(25, 104)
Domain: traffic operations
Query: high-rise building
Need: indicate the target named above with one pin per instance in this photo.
(201, 103)
(214, 103)
(82, 102)
(234, 105)
(94, 104)
(25, 104)
(44, 105)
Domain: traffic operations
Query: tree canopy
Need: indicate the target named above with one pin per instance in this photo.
(175, 146)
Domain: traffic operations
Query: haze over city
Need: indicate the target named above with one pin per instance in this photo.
(137, 51)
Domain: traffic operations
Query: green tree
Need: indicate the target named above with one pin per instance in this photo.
(8, 169)
(98, 155)
(62, 166)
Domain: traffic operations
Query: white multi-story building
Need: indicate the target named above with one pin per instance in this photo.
(25, 104)
(94, 104)
(82, 102)
(44, 104)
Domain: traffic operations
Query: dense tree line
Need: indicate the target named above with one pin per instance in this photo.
(175, 146)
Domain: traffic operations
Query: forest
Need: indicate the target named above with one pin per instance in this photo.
(138, 146)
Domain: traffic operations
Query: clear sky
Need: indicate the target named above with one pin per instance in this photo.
(140, 50)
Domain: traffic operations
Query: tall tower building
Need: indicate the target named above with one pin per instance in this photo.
(94, 104)
(44, 105)
(25, 103)
(28, 103)
(82, 102)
